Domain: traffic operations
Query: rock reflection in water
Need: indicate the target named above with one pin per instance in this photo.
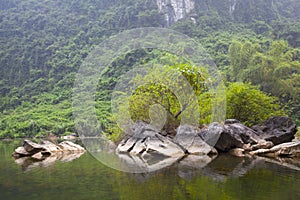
(219, 168)
(152, 163)
(29, 163)
(190, 165)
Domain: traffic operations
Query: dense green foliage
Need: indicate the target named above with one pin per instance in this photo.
(275, 70)
(243, 101)
(43, 43)
(250, 105)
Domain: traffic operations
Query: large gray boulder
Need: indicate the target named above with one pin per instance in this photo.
(187, 137)
(231, 135)
(277, 130)
(146, 140)
(226, 139)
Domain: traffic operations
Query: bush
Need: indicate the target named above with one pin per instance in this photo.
(250, 105)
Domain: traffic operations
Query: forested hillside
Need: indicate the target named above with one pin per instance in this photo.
(43, 43)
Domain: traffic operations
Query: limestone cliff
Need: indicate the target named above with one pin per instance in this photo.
(236, 10)
(175, 10)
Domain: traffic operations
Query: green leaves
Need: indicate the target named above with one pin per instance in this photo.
(249, 105)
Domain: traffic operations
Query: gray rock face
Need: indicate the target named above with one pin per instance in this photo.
(277, 130)
(229, 137)
(148, 142)
(188, 138)
(175, 10)
(38, 156)
(231, 121)
(212, 133)
(48, 146)
(232, 135)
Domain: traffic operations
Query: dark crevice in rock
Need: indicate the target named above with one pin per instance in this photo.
(130, 149)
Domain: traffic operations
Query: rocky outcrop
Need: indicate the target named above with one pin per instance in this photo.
(175, 10)
(45, 149)
(232, 135)
(232, 5)
(277, 130)
(147, 150)
(148, 141)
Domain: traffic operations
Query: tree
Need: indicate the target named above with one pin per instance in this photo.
(165, 94)
(275, 70)
(249, 105)
(156, 101)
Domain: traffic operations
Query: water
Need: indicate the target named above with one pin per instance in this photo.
(225, 177)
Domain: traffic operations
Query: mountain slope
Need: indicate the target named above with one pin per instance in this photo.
(43, 43)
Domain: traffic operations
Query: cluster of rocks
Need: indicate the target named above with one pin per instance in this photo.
(273, 138)
(32, 154)
(147, 150)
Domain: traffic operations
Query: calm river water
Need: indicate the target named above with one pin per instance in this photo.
(225, 177)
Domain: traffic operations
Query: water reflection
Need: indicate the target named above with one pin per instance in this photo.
(221, 168)
(29, 163)
(222, 177)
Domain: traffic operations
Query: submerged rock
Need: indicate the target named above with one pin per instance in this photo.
(191, 164)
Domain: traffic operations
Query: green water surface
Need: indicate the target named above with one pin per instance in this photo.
(225, 177)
